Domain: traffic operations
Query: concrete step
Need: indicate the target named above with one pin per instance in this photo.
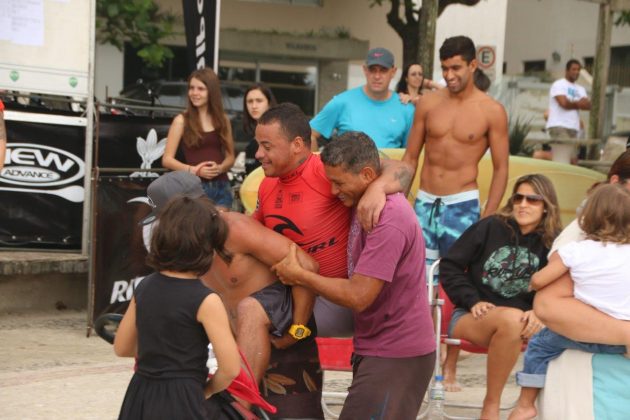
(36, 281)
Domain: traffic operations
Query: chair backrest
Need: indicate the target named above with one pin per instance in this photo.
(335, 353)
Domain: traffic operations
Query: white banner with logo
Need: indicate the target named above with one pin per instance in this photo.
(41, 184)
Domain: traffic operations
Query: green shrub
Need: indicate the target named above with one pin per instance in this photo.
(519, 129)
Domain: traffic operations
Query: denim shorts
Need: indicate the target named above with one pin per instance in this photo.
(548, 345)
(457, 313)
(219, 191)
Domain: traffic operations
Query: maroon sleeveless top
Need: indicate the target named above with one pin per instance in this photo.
(209, 148)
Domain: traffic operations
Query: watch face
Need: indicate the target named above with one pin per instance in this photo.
(299, 332)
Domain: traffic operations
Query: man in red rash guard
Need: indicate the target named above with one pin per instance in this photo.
(295, 200)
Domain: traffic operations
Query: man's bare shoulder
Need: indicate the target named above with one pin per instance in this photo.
(243, 227)
(238, 222)
(490, 106)
(433, 99)
(487, 101)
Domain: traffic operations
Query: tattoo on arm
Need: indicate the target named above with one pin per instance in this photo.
(404, 177)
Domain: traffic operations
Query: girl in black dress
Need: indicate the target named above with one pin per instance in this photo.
(172, 317)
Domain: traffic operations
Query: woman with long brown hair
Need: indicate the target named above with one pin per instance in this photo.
(412, 83)
(258, 99)
(486, 274)
(207, 146)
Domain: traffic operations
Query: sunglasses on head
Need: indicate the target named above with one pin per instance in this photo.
(531, 198)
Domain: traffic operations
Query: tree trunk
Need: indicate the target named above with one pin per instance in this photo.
(411, 42)
(427, 24)
(418, 34)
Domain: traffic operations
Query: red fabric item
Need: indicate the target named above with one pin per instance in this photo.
(335, 353)
(1, 106)
(245, 388)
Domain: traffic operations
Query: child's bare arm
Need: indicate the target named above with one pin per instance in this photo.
(126, 341)
(554, 269)
(214, 318)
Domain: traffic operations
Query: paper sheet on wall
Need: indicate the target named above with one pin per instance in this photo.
(34, 34)
(27, 22)
(5, 20)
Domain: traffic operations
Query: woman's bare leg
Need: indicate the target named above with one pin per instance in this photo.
(564, 314)
(449, 369)
(500, 331)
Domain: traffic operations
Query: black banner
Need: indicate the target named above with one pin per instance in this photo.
(124, 142)
(200, 20)
(119, 251)
(41, 186)
(131, 142)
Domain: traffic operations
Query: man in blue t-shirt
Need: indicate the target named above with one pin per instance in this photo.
(372, 108)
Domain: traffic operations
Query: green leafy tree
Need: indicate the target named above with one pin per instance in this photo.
(623, 18)
(138, 22)
(407, 24)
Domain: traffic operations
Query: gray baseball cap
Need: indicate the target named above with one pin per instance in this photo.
(169, 185)
(381, 57)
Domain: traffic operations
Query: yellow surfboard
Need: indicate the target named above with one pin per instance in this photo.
(571, 182)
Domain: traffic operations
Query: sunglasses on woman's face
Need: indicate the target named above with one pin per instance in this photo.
(531, 198)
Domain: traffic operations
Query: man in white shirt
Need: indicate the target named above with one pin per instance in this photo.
(566, 99)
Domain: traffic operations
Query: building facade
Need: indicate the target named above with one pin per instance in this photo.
(308, 50)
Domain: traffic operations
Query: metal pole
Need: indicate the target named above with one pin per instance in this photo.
(89, 134)
(88, 201)
(600, 73)
(217, 23)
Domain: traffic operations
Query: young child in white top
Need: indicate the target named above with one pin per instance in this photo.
(599, 267)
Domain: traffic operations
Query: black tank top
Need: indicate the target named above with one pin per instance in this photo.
(171, 342)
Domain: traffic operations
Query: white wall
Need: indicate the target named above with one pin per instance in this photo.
(538, 28)
(483, 23)
(108, 71)
(520, 29)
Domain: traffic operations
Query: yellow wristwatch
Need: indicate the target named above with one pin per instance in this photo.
(299, 331)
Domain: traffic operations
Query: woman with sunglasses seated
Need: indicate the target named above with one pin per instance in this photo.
(486, 274)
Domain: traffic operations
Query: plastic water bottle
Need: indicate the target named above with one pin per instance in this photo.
(436, 399)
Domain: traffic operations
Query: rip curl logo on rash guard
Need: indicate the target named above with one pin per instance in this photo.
(509, 269)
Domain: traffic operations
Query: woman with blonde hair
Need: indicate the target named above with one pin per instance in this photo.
(486, 274)
(599, 267)
(205, 135)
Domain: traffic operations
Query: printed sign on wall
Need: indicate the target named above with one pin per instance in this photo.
(41, 185)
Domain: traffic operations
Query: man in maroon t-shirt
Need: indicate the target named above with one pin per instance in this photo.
(386, 290)
(295, 200)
